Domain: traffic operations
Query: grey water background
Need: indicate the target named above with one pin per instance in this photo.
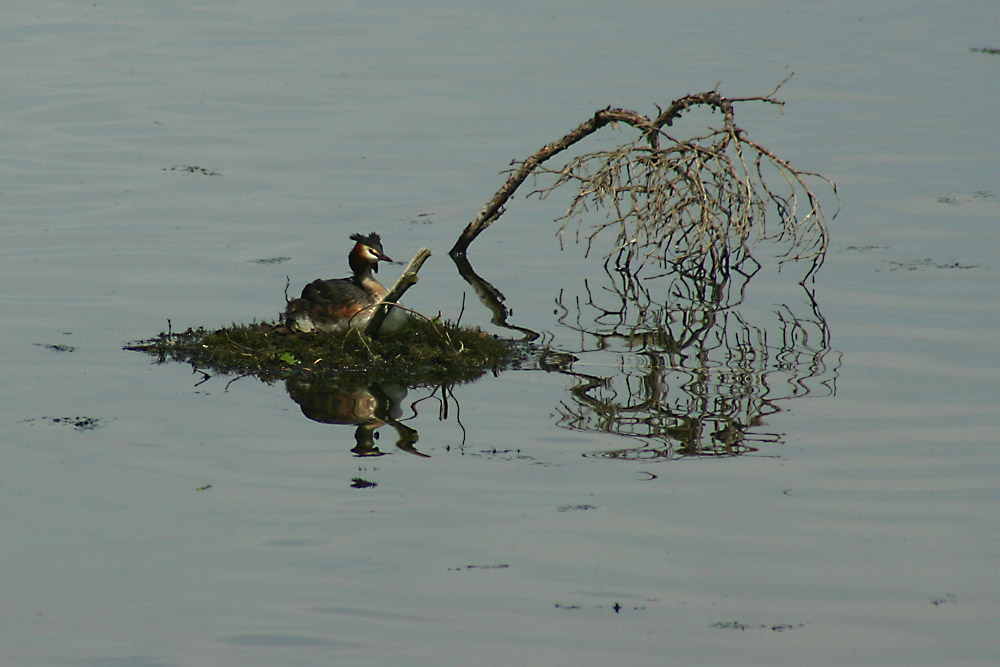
(150, 518)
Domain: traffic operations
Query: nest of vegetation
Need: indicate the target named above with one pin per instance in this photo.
(424, 352)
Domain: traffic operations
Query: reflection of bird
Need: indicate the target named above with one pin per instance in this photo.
(369, 407)
(336, 305)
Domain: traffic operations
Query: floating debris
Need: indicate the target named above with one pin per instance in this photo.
(78, 423)
(737, 625)
(56, 348)
(193, 169)
(927, 263)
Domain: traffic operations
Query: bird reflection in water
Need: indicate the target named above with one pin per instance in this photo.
(367, 406)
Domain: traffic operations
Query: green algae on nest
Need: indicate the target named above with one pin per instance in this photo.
(423, 352)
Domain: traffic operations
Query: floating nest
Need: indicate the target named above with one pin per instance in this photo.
(425, 352)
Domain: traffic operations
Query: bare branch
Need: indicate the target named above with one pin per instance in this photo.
(699, 204)
(405, 282)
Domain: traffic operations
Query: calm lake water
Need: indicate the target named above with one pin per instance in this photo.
(178, 161)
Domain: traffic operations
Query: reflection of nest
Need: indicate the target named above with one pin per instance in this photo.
(695, 378)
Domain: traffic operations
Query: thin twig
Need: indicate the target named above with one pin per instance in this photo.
(461, 312)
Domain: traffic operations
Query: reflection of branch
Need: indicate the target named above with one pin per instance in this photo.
(695, 378)
(490, 296)
(686, 425)
(444, 400)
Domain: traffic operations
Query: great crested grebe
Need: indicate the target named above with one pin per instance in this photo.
(339, 304)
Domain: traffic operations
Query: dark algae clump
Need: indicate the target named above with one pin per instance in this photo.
(431, 352)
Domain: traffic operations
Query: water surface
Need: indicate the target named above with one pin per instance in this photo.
(156, 154)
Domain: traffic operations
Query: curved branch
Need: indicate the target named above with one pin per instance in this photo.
(495, 207)
(698, 204)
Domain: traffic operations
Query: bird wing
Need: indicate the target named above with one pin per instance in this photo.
(339, 291)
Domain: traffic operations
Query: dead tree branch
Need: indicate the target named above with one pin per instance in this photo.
(405, 282)
(698, 204)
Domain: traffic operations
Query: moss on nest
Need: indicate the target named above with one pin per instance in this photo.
(424, 352)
